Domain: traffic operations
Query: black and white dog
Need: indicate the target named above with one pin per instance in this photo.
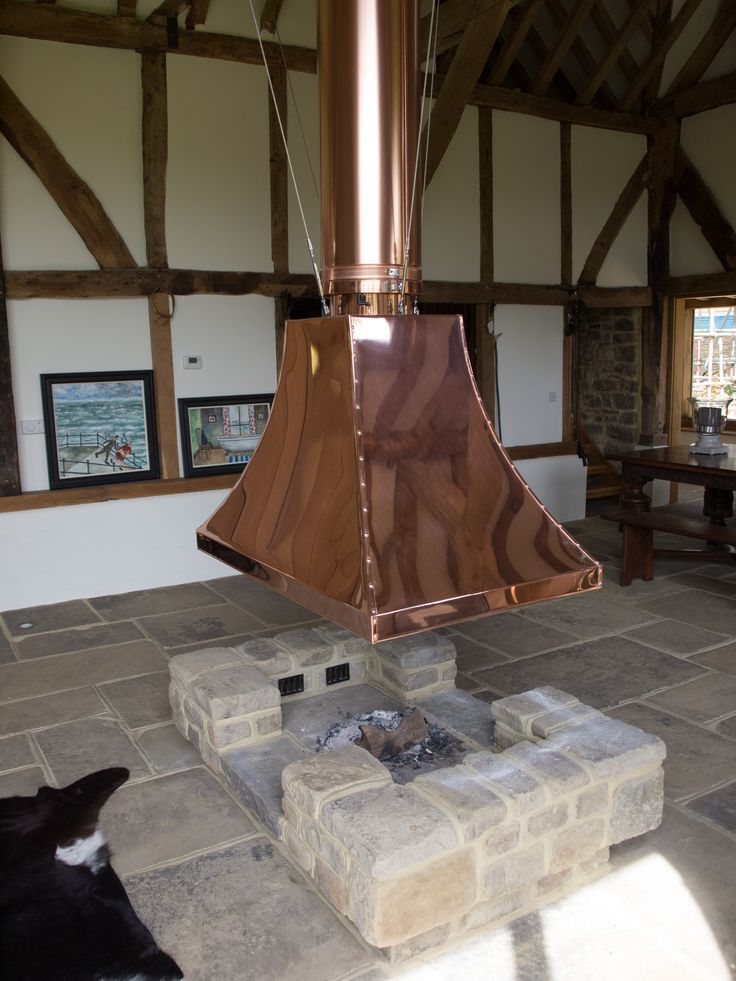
(64, 914)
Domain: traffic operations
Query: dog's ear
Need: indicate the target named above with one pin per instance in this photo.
(78, 805)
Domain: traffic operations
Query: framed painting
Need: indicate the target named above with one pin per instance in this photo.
(219, 434)
(100, 428)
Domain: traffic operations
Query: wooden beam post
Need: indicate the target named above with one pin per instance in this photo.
(9, 470)
(662, 181)
(569, 341)
(161, 305)
(279, 199)
(485, 347)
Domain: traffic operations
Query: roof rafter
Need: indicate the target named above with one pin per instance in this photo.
(616, 47)
(514, 41)
(699, 201)
(270, 15)
(578, 12)
(706, 95)
(711, 43)
(608, 31)
(581, 51)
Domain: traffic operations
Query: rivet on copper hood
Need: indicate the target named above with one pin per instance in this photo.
(379, 495)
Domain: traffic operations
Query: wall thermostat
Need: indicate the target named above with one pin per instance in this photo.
(192, 361)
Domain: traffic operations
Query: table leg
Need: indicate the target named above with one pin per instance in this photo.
(633, 497)
(717, 504)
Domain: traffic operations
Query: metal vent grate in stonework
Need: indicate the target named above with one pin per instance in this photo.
(291, 685)
(338, 673)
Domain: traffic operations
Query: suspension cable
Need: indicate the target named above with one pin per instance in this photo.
(298, 115)
(431, 47)
(310, 247)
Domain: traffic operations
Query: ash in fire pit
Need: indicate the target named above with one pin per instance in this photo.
(405, 742)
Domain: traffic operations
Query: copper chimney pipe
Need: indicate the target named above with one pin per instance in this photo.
(379, 495)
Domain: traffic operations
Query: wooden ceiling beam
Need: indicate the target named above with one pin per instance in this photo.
(723, 26)
(609, 31)
(540, 51)
(623, 207)
(578, 12)
(662, 21)
(197, 15)
(700, 98)
(699, 201)
(659, 52)
(73, 196)
(270, 15)
(470, 59)
(126, 8)
(705, 284)
(451, 19)
(48, 23)
(581, 52)
(522, 19)
(616, 46)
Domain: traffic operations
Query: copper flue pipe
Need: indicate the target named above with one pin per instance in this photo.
(369, 121)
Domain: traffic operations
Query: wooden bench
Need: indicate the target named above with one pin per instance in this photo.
(638, 527)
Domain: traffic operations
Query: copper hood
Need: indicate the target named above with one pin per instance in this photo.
(379, 495)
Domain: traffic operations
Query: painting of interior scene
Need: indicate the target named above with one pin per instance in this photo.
(223, 434)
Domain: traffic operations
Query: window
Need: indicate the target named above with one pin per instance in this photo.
(713, 354)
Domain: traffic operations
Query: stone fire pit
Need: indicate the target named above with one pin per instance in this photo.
(527, 815)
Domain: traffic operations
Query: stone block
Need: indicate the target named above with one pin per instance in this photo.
(419, 944)
(267, 655)
(576, 844)
(332, 887)
(389, 829)
(306, 645)
(459, 791)
(609, 747)
(186, 668)
(593, 801)
(561, 718)
(596, 862)
(391, 911)
(502, 840)
(316, 779)
(548, 820)
(496, 908)
(516, 869)
(269, 723)
(636, 806)
(417, 651)
(523, 791)
(233, 691)
(409, 681)
(457, 710)
(297, 849)
(551, 883)
(557, 772)
(223, 734)
(344, 641)
(518, 711)
(325, 846)
(254, 774)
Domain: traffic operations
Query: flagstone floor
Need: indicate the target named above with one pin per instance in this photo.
(83, 685)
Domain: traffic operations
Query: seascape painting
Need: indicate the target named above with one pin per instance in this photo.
(99, 427)
(220, 434)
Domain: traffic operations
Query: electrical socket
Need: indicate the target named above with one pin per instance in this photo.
(30, 426)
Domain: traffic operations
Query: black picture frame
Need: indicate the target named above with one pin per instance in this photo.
(207, 421)
(100, 428)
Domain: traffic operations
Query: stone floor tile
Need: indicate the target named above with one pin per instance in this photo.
(198, 626)
(261, 602)
(588, 615)
(675, 637)
(465, 714)
(235, 641)
(472, 656)
(700, 700)
(722, 659)
(7, 653)
(22, 783)
(697, 607)
(719, 806)
(50, 710)
(54, 616)
(466, 683)
(702, 860)
(167, 749)
(78, 639)
(40, 676)
(697, 759)
(722, 587)
(514, 635)
(142, 701)
(600, 672)
(75, 749)
(147, 602)
(169, 817)
(263, 920)
(727, 727)
(638, 589)
(254, 775)
(15, 751)
(308, 718)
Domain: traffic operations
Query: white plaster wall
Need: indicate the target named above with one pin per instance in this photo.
(530, 373)
(602, 163)
(451, 220)
(559, 483)
(56, 554)
(303, 134)
(526, 199)
(218, 212)
(89, 102)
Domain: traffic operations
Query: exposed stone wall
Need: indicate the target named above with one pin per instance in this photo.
(609, 355)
